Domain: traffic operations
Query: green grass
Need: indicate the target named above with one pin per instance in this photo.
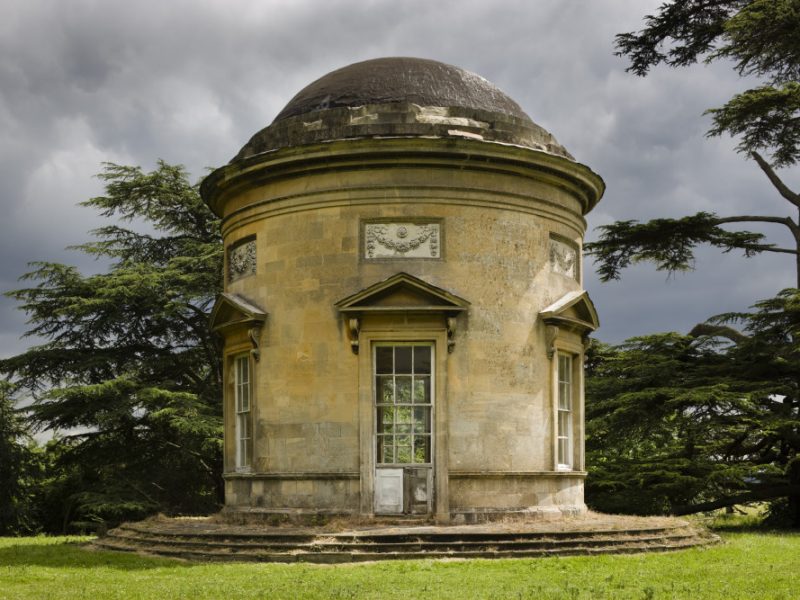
(748, 565)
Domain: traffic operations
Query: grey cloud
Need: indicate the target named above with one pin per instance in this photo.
(191, 81)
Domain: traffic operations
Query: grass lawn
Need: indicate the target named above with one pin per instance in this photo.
(747, 565)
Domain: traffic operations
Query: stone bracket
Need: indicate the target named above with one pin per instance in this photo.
(451, 324)
(355, 326)
(253, 333)
(551, 333)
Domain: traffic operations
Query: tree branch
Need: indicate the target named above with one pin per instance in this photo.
(717, 331)
(782, 188)
(760, 218)
(778, 491)
(786, 221)
(780, 250)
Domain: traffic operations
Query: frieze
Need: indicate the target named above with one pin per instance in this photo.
(402, 240)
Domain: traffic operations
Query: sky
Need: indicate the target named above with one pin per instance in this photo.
(88, 81)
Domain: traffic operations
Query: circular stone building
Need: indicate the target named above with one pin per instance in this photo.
(403, 316)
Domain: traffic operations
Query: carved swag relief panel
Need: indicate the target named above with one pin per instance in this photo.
(402, 240)
(242, 260)
(563, 258)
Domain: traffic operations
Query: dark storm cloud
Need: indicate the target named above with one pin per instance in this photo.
(190, 81)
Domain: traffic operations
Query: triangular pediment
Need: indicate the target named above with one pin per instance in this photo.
(232, 309)
(402, 292)
(573, 310)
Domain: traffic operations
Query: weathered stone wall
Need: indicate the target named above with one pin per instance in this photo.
(498, 209)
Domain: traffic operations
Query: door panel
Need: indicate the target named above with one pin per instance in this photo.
(389, 491)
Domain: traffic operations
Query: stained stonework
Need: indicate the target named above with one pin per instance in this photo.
(412, 339)
(242, 260)
(563, 258)
(401, 240)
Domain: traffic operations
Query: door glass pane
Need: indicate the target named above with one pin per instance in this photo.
(422, 360)
(403, 389)
(385, 419)
(422, 389)
(383, 359)
(403, 399)
(385, 449)
(422, 420)
(403, 448)
(422, 448)
(384, 386)
(403, 416)
(402, 359)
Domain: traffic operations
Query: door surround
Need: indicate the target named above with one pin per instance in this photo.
(368, 336)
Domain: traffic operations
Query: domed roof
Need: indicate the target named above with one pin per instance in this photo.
(401, 97)
(415, 80)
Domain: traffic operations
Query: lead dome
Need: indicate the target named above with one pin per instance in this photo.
(401, 97)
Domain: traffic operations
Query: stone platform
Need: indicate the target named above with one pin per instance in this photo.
(344, 541)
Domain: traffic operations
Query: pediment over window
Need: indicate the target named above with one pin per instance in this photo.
(233, 310)
(402, 293)
(574, 311)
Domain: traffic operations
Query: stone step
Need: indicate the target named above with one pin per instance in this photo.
(410, 536)
(352, 544)
(297, 555)
(279, 537)
(210, 540)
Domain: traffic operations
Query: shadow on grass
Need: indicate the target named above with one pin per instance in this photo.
(754, 529)
(73, 554)
(747, 523)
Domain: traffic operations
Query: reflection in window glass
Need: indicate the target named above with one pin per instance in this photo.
(402, 389)
(384, 386)
(422, 420)
(403, 400)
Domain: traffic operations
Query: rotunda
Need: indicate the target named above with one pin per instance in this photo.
(403, 318)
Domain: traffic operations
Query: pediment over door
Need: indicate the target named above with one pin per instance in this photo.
(232, 311)
(401, 293)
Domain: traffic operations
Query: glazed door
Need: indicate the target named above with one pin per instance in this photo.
(403, 401)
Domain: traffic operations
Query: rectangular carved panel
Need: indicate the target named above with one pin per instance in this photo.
(399, 239)
(563, 258)
(242, 259)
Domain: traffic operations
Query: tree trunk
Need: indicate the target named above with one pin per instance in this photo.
(793, 471)
(797, 256)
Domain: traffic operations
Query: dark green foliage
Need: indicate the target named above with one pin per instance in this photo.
(681, 423)
(760, 36)
(686, 423)
(129, 367)
(764, 117)
(667, 242)
(21, 469)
